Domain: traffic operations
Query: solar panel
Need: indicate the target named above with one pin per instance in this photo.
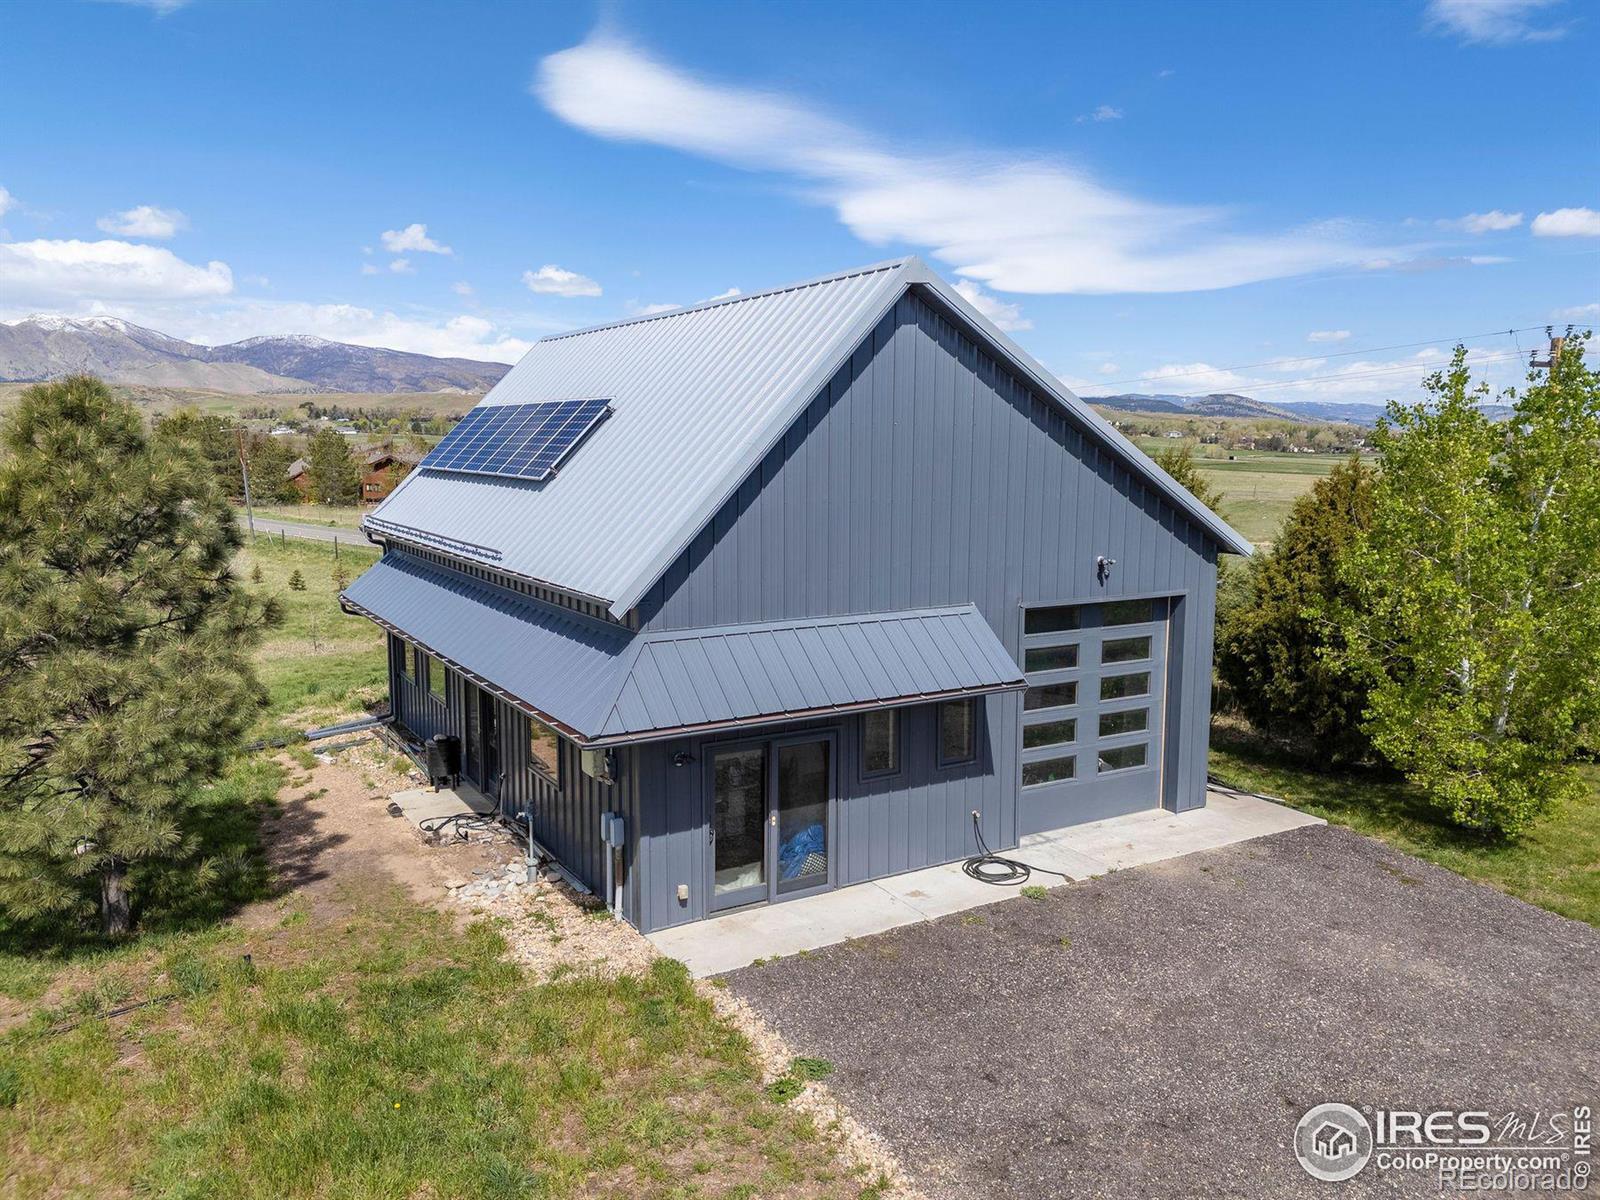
(517, 441)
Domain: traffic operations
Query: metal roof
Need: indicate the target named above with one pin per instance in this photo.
(699, 396)
(602, 685)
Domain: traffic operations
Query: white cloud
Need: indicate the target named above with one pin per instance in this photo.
(1004, 315)
(1103, 112)
(1109, 368)
(402, 266)
(1578, 312)
(161, 8)
(1492, 221)
(462, 288)
(53, 272)
(1015, 223)
(551, 280)
(727, 295)
(7, 201)
(651, 310)
(413, 239)
(1327, 335)
(1567, 222)
(1493, 22)
(145, 221)
(369, 269)
(1196, 377)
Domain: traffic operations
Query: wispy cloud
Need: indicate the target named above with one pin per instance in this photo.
(1578, 312)
(7, 201)
(551, 280)
(69, 271)
(144, 221)
(161, 8)
(1327, 335)
(1014, 222)
(727, 294)
(402, 266)
(1567, 222)
(636, 309)
(1493, 221)
(1495, 22)
(1004, 315)
(462, 288)
(1103, 112)
(413, 239)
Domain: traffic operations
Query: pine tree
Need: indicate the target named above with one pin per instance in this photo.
(297, 581)
(1178, 462)
(127, 646)
(335, 473)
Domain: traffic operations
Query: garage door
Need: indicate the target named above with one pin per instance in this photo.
(1092, 713)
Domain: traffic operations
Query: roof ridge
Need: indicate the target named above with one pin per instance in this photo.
(890, 264)
(656, 636)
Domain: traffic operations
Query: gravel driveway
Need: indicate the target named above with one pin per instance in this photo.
(1159, 1031)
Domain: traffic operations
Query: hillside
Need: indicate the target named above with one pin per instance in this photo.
(123, 353)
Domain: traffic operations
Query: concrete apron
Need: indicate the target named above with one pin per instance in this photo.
(423, 804)
(738, 939)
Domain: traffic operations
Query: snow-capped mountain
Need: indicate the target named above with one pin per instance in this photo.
(43, 347)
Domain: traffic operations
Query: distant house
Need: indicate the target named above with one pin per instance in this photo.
(382, 471)
(794, 584)
(300, 476)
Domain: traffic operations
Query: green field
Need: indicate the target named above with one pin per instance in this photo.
(1258, 486)
(155, 401)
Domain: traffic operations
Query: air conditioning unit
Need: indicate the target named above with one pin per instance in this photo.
(599, 765)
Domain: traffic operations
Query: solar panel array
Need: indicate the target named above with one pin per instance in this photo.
(518, 441)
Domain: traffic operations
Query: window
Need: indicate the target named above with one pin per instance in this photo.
(1050, 658)
(1120, 687)
(419, 664)
(1134, 720)
(544, 750)
(1119, 650)
(1127, 612)
(1121, 758)
(436, 678)
(1050, 733)
(1050, 620)
(958, 732)
(1049, 770)
(880, 742)
(1050, 695)
(408, 668)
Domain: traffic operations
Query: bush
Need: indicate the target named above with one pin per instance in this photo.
(1273, 637)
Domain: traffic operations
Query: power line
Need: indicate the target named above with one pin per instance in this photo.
(1381, 372)
(1274, 362)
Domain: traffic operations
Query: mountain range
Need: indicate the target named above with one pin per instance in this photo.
(121, 352)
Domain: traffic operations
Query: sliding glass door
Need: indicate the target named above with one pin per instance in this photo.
(771, 819)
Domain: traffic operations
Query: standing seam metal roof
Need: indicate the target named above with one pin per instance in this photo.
(699, 396)
(602, 684)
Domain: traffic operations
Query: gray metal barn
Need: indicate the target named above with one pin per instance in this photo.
(794, 582)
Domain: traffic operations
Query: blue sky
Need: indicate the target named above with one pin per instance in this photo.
(1151, 197)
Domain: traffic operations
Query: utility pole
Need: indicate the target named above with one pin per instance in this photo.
(1553, 363)
(244, 467)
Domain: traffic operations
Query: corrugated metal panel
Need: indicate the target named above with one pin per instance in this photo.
(734, 677)
(697, 397)
(605, 684)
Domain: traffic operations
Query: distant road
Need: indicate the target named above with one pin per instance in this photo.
(315, 533)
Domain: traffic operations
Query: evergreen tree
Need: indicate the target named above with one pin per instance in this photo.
(214, 438)
(1274, 640)
(1178, 462)
(335, 473)
(269, 459)
(1477, 593)
(297, 581)
(127, 648)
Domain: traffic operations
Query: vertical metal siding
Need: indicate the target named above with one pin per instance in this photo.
(926, 474)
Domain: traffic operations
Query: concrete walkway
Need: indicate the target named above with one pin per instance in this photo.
(737, 939)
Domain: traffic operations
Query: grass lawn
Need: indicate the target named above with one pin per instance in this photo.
(1556, 865)
(332, 516)
(1258, 491)
(322, 662)
(384, 1053)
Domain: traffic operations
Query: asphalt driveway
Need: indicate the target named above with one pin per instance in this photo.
(1159, 1031)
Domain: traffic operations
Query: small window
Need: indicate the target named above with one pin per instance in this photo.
(1127, 612)
(958, 732)
(1050, 658)
(1121, 687)
(408, 667)
(544, 750)
(419, 664)
(1120, 650)
(1050, 733)
(437, 673)
(1049, 770)
(1133, 720)
(1121, 758)
(1050, 620)
(1050, 695)
(880, 742)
